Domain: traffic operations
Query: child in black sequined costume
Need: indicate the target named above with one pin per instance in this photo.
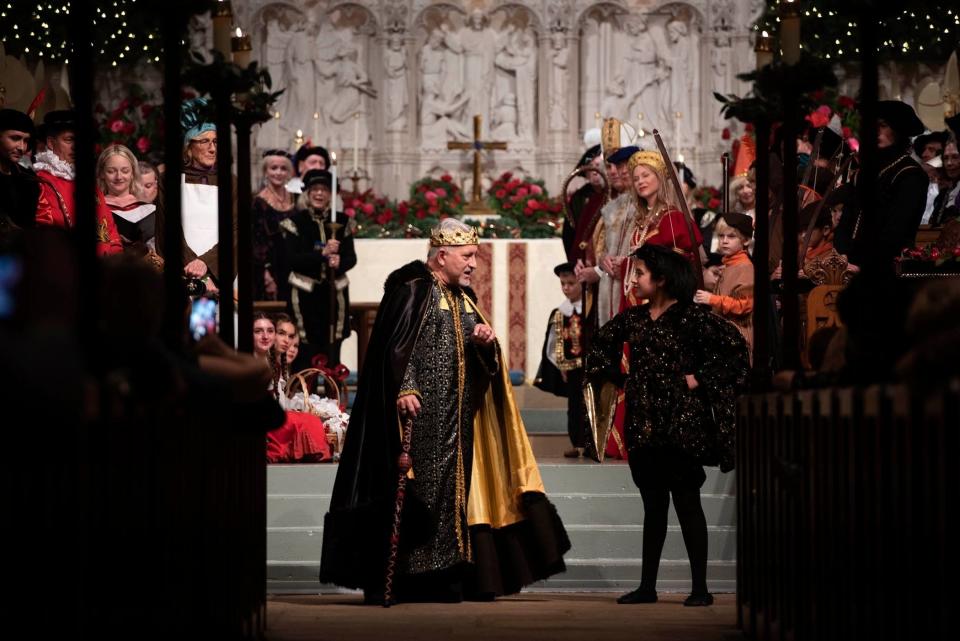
(687, 367)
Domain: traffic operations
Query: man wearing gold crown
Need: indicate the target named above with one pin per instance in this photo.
(474, 488)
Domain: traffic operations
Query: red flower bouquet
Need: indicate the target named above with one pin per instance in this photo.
(525, 209)
(133, 123)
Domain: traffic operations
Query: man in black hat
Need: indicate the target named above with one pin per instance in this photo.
(616, 215)
(879, 236)
(19, 188)
(929, 146)
(584, 206)
(307, 157)
(319, 253)
(56, 170)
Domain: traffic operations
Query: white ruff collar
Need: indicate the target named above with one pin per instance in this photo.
(567, 308)
(51, 163)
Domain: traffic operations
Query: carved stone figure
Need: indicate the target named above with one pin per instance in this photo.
(300, 71)
(559, 63)
(395, 84)
(200, 37)
(478, 72)
(683, 76)
(644, 73)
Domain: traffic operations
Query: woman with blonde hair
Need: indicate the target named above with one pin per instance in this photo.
(118, 177)
(660, 220)
(272, 205)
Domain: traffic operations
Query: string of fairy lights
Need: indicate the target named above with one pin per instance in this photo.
(921, 31)
(127, 30)
(41, 31)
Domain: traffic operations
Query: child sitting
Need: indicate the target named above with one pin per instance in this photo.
(561, 369)
(687, 367)
(732, 296)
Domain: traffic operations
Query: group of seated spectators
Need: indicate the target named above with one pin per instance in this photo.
(292, 238)
(38, 210)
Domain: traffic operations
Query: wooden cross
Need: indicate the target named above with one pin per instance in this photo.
(477, 146)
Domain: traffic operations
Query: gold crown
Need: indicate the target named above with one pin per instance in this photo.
(651, 158)
(453, 238)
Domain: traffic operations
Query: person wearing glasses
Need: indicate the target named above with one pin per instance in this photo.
(199, 195)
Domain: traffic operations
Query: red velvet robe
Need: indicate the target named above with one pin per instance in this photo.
(57, 208)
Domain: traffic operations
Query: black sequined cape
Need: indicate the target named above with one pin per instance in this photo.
(357, 527)
(662, 412)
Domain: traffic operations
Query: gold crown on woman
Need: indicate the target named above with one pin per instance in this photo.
(453, 237)
(651, 158)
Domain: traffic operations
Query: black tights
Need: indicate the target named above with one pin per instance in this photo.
(693, 524)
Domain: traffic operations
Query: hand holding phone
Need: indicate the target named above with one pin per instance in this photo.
(203, 318)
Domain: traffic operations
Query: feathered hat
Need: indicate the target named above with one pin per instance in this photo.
(192, 119)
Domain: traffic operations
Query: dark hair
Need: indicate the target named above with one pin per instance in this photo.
(281, 317)
(665, 264)
(263, 316)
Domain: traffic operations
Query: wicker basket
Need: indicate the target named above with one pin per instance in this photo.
(302, 376)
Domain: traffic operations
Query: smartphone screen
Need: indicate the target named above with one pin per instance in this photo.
(9, 278)
(203, 318)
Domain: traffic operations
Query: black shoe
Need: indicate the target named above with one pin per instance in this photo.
(640, 595)
(574, 452)
(699, 600)
(374, 597)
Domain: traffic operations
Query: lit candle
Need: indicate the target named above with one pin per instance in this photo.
(764, 49)
(276, 130)
(790, 31)
(298, 141)
(596, 118)
(333, 187)
(222, 19)
(356, 139)
(240, 44)
(316, 128)
(640, 131)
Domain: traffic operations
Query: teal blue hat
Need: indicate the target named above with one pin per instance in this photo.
(192, 121)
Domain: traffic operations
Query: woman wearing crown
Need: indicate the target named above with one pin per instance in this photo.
(659, 219)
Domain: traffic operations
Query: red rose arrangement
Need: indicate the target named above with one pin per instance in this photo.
(431, 199)
(134, 123)
(525, 208)
(708, 198)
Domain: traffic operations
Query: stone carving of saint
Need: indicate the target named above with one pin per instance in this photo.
(440, 119)
(351, 83)
(559, 61)
(476, 39)
(300, 72)
(680, 58)
(395, 83)
(330, 47)
(201, 42)
(277, 36)
(643, 74)
(433, 64)
(516, 68)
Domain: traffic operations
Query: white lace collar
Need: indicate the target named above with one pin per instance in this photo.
(51, 163)
(567, 308)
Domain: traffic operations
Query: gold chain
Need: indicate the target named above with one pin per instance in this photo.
(888, 167)
(461, 486)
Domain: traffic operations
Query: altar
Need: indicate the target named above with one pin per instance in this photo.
(514, 282)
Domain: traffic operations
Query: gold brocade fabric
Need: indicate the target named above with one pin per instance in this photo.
(601, 405)
(503, 463)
